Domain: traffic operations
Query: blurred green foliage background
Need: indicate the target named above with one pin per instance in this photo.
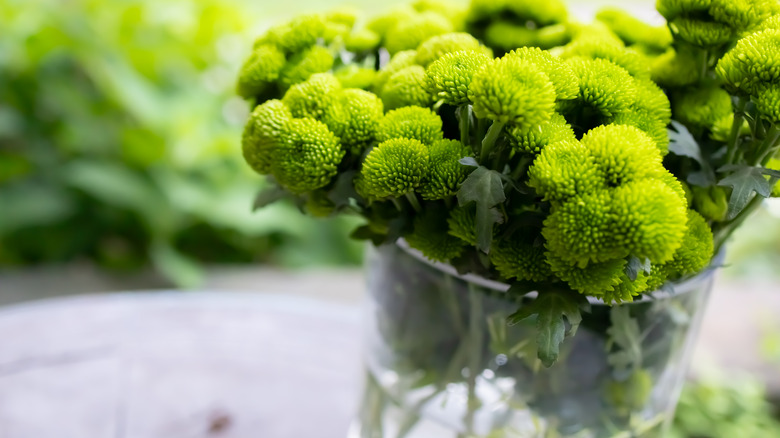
(120, 145)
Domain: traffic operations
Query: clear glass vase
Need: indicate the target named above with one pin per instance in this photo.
(441, 361)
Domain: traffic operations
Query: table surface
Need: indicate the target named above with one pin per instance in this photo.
(178, 365)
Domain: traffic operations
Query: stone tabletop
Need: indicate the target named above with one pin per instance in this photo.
(178, 365)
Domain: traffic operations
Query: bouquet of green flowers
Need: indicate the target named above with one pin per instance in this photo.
(599, 160)
(585, 162)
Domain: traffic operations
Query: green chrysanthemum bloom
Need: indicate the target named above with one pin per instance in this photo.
(353, 76)
(507, 35)
(597, 48)
(394, 168)
(414, 122)
(462, 223)
(409, 34)
(533, 140)
(563, 170)
(362, 40)
(299, 34)
(702, 33)
(335, 32)
(515, 259)
(702, 106)
(445, 172)
(303, 65)
(430, 237)
(559, 72)
(306, 156)
(652, 99)
(711, 202)
(541, 13)
(752, 63)
(696, 250)
(310, 98)
(440, 45)
(653, 127)
(631, 394)
(398, 62)
(681, 189)
(658, 276)
(768, 102)
(581, 230)
(604, 86)
(743, 15)
(406, 88)
(554, 35)
(260, 70)
(634, 31)
(509, 90)
(264, 126)
(383, 23)
(623, 153)
(596, 279)
(676, 68)
(774, 164)
(354, 115)
(649, 219)
(721, 129)
(448, 79)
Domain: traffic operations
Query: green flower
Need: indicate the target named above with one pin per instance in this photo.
(696, 250)
(533, 140)
(516, 259)
(752, 63)
(774, 164)
(362, 40)
(623, 153)
(406, 88)
(299, 34)
(702, 106)
(676, 68)
(394, 168)
(310, 98)
(509, 90)
(306, 156)
(440, 45)
(462, 223)
(445, 172)
(598, 48)
(559, 72)
(353, 115)
(595, 279)
(265, 125)
(304, 64)
(410, 33)
(353, 76)
(634, 31)
(260, 71)
(448, 79)
(563, 170)
(398, 62)
(711, 202)
(604, 86)
(413, 122)
(650, 219)
(768, 102)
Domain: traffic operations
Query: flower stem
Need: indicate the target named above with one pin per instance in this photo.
(464, 123)
(489, 142)
(767, 148)
(728, 228)
(397, 204)
(412, 197)
(475, 354)
(736, 126)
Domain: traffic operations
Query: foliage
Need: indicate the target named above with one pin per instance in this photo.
(118, 133)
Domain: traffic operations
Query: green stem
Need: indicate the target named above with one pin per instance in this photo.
(704, 64)
(736, 126)
(767, 148)
(522, 167)
(475, 353)
(397, 204)
(489, 142)
(728, 228)
(412, 197)
(464, 123)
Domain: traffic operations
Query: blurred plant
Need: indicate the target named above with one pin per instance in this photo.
(118, 141)
(724, 408)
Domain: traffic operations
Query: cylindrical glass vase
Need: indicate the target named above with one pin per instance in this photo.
(441, 361)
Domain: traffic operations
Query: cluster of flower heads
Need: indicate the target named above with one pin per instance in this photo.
(410, 105)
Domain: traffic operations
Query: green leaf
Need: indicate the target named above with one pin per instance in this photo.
(268, 196)
(744, 182)
(484, 187)
(366, 232)
(635, 265)
(552, 310)
(624, 334)
(469, 161)
(682, 143)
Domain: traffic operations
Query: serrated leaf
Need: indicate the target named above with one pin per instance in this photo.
(469, 161)
(268, 196)
(365, 232)
(745, 181)
(682, 143)
(635, 265)
(552, 310)
(484, 187)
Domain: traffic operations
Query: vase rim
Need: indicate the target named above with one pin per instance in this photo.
(669, 289)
